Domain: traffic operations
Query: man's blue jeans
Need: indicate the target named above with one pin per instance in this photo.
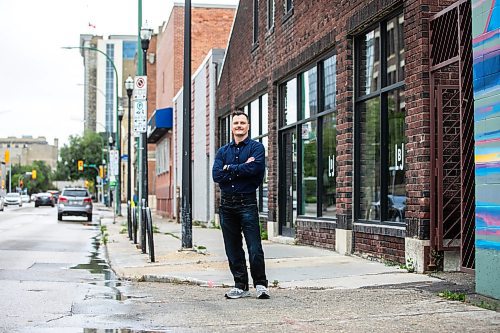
(238, 213)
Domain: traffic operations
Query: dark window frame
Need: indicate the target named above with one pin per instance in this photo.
(382, 92)
(318, 117)
(255, 22)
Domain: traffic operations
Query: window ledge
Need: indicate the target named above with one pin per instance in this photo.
(255, 46)
(269, 32)
(381, 228)
(287, 15)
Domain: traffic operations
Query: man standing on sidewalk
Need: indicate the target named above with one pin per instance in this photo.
(239, 169)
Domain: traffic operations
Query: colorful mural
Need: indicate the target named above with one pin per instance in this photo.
(486, 53)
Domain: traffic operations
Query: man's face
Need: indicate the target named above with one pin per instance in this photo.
(240, 125)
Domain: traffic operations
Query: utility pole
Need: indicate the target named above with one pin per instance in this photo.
(186, 211)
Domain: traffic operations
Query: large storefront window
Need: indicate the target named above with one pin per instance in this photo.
(257, 111)
(307, 144)
(380, 123)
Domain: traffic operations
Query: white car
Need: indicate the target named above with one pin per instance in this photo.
(25, 198)
(2, 203)
(13, 199)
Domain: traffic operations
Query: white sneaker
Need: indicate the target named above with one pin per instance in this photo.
(237, 293)
(262, 292)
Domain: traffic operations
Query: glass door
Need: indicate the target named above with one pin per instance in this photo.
(288, 183)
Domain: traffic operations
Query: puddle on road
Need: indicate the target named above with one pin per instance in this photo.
(98, 265)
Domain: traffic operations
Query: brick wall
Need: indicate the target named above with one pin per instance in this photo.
(313, 30)
(314, 233)
(380, 246)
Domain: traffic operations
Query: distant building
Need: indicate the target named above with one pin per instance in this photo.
(26, 150)
(99, 78)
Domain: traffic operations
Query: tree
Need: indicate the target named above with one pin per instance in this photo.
(43, 179)
(88, 148)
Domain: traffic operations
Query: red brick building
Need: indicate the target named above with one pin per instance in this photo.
(339, 93)
(210, 28)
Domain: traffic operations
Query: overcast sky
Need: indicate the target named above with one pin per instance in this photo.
(40, 83)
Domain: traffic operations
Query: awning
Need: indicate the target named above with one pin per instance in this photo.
(160, 122)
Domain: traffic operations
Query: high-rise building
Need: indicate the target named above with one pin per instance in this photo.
(100, 77)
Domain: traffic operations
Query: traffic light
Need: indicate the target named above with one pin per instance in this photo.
(7, 156)
(101, 171)
(33, 174)
(21, 183)
(86, 183)
(80, 165)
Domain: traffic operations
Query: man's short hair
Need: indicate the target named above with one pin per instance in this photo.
(239, 112)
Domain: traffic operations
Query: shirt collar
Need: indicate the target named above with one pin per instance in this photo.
(245, 142)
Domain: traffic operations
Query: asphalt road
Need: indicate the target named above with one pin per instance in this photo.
(41, 290)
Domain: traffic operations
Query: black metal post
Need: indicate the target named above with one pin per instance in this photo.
(119, 187)
(129, 167)
(145, 46)
(187, 227)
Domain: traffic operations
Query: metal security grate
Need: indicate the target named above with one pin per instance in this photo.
(452, 133)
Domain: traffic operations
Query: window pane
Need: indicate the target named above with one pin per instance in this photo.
(395, 172)
(309, 168)
(265, 182)
(265, 114)
(270, 14)
(369, 115)
(329, 174)
(290, 102)
(309, 90)
(330, 84)
(369, 65)
(395, 50)
(254, 118)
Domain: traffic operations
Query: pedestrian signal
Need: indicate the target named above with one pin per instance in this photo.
(80, 165)
(33, 174)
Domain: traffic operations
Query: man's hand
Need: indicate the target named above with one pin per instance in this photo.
(250, 159)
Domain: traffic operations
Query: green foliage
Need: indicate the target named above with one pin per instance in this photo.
(452, 296)
(263, 232)
(88, 148)
(43, 180)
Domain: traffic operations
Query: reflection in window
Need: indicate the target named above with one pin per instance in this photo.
(264, 114)
(270, 14)
(369, 66)
(309, 168)
(395, 172)
(369, 117)
(329, 175)
(290, 102)
(381, 119)
(254, 118)
(330, 82)
(395, 50)
(309, 91)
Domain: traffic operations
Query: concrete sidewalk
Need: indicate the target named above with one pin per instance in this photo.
(287, 266)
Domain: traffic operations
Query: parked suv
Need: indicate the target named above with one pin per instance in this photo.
(74, 201)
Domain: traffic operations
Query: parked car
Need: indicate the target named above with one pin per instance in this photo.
(55, 194)
(25, 198)
(2, 203)
(74, 201)
(44, 199)
(13, 199)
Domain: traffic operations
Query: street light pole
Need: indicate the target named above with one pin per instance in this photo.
(117, 208)
(146, 34)
(129, 86)
(119, 182)
(187, 227)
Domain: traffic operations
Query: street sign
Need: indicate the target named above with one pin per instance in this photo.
(140, 87)
(140, 116)
(113, 162)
